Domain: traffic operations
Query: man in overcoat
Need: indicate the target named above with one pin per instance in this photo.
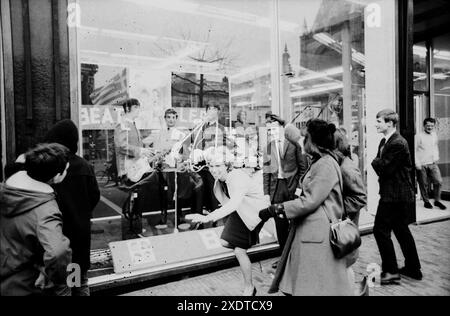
(395, 211)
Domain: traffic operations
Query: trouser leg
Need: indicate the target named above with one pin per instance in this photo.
(382, 233)
(281, 224)
(408, 246)
(436, 179)
(423, 183)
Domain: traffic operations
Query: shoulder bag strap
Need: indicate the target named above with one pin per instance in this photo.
(341, 187)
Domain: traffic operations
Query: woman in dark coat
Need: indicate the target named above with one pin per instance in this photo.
(77, 197)
(307, 265)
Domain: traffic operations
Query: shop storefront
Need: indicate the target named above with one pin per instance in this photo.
(332, 59)
(307, 59)
(432, 94)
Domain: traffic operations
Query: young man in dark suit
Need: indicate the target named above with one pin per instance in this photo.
(395, 211)
(284, 164)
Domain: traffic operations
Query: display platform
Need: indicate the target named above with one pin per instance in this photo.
(143, 253)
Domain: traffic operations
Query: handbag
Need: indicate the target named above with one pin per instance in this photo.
(344, 238)
(344, 234)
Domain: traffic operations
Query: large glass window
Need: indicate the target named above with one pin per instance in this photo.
(299, 59)
(324, 66)
(441, 77)
(420, 68)
(180, 55)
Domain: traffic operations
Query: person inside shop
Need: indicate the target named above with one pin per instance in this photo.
(246, 135)
(211, 134)
(189, 189)
(241, 120)
(129, 147)
(427, 156)
(241, 195)
(134, 162)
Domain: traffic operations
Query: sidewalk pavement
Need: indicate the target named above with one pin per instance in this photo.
(433, 244)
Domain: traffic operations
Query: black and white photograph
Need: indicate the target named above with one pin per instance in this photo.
(225, 153)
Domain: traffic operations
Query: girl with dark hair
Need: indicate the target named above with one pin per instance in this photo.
(307, 265)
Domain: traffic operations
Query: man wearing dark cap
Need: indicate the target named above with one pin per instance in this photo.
(212, 134)
(284, 164)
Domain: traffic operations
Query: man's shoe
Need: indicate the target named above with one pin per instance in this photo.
(413, 274)
(428, 205)
(389, 278)
(440, 205)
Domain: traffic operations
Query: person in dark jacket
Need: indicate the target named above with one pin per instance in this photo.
(284, 165)
(393, 166)
(34, 251)
(77, 197)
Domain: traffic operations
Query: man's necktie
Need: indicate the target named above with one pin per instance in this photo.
(381, 146)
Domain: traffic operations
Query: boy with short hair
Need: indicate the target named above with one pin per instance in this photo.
(34, 251)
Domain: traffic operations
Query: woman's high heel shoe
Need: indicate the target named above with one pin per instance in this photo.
(254, 291)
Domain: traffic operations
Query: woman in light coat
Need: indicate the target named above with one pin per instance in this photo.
(307, 265)
(240, 192)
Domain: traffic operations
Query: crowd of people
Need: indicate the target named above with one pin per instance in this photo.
(308, 179)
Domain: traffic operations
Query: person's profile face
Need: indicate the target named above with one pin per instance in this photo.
(135, 110)
(274, 129)
(381, 125)
(171, 119)
(243, 117)
(218, 171)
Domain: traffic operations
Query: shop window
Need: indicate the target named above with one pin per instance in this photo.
(183, 57)
(299, 59)
(441, 77)
(332, 68)
(420, 68)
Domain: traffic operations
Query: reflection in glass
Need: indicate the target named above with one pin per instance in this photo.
(441, 77)
(324, 67)
(186, 57)
(420, 67)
